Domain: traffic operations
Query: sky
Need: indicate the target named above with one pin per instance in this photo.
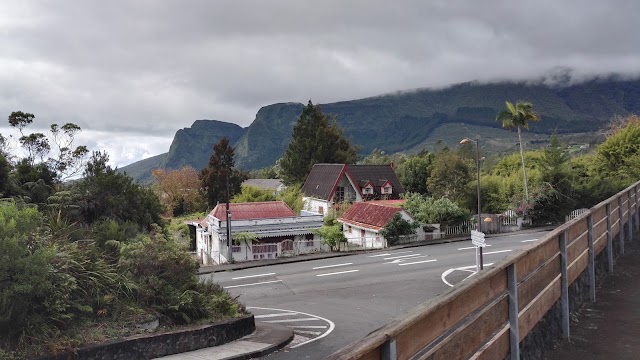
(131, 73)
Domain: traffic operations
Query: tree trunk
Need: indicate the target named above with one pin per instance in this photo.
(524, 170)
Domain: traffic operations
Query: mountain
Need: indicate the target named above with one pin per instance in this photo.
(407, 120)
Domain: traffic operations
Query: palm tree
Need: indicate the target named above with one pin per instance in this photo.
(519, 116)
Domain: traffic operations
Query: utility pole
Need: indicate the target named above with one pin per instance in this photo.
(229, 240)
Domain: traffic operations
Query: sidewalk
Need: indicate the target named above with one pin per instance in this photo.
(610, 327)
(266, 339)
(316, 256)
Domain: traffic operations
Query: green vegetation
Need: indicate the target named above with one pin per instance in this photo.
(429, 210)
(220, 180)
(396, 228)
(316, 139)
(87, 261)
(331, 233)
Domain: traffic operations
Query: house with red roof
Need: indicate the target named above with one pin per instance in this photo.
(363, 221)
(276, 227)
(329, 185)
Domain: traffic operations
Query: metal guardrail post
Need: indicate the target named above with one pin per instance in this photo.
(388, 350)
(620, 226)
(592, 265)
(609, 239)
(514, 326)
(629, 217)
(564, 285)
(635, 189)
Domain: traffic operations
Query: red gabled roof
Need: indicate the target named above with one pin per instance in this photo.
(369, 215)
(254, 210)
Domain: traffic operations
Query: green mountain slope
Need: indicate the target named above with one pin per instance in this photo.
(403, 121)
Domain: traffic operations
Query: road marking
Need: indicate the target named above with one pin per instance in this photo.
(328, 266)
(308, 332)
(259, 283)
(470, 247)
(307, 326)
(337, 273)
(497, 252)
(405, 259)
(292, 320)
(417, 262)
(401, 256)
(251, 276)
(273, 315)
(444, 275)
(529, 240)
(395, 253)
(331, 324)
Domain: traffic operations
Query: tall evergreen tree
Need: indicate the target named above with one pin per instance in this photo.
(316, 139)
(219, 172)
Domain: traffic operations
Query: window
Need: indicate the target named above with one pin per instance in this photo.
(320, 210)
(309, 240)
(349, 229)
(386, 189)
(367, 190)
(339, 196)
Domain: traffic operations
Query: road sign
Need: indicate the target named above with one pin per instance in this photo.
(477, 238)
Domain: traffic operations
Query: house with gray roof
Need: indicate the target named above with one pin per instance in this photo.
(329, 185)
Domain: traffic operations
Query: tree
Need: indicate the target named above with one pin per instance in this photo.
(179, 190)
(220, 173)
(253, 194)
(331, 233)
(450, 178)
(396, 228)
(107, 194)
(414, 172)
(316, 139)
(518, 116)
(292, 196)
(429, 210)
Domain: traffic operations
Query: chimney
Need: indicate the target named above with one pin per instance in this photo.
(393, 167)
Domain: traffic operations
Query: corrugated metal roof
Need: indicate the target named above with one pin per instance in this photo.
(369, 214)
(254, 210)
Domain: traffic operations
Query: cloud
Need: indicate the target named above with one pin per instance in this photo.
(146, 68)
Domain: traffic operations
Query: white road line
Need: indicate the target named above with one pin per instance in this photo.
(417, 262)
(401, 256)
(497, 252)
(444, 275)
(307, 326)
(405, 259)
(251, 276)
(337, 273)
(292, 320)
(273, 315)
(331, 325)
(469, 247)
(395, 253)
(529, 240)
(259, 283)
(308, 332)
(329, 266)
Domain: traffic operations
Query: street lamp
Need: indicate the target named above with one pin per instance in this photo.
(479, 226)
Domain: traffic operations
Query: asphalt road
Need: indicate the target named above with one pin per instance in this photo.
(331, 302)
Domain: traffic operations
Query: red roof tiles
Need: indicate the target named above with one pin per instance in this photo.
(254, 210)
(370, 215)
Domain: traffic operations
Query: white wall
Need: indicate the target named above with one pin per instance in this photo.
(313, 204)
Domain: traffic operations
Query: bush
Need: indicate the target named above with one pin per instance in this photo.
(428, 210)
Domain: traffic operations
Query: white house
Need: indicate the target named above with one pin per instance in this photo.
(329, 185)
(363, 221)
(279, 232)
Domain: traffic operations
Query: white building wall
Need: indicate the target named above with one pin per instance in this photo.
(314, 205)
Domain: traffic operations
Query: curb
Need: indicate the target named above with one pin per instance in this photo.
(248, 265)
(265, 351)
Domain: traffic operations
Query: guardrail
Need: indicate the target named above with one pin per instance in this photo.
(488, 316)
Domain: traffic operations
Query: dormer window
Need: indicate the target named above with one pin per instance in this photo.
(386, 188)
(367, 190)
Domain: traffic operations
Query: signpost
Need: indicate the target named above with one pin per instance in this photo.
(477, 239)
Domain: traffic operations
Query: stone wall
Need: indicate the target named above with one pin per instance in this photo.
(154, 345)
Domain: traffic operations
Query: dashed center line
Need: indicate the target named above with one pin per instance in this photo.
(258, 283)
(497, 252)
(329, 266)
(470, 247)
(395, 253)
(252, 276)
(337, 273)
(529, 240)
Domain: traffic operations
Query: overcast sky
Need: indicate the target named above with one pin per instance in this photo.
(131, 73)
